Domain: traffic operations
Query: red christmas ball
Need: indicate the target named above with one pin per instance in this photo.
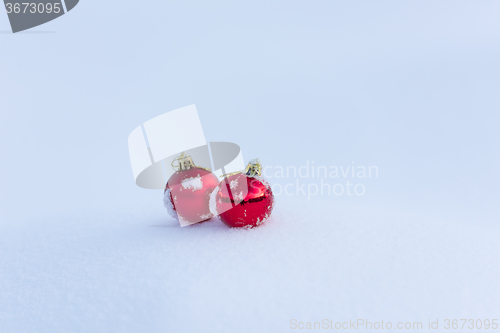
(244, 200)
(187, 193)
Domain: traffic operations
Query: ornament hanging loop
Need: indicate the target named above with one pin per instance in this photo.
(184, 162)
(254, 168)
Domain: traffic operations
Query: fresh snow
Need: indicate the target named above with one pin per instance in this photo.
(137, 270)
(193, 183)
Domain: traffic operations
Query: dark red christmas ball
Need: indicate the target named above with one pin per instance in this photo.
(244, 201)
(187, 193)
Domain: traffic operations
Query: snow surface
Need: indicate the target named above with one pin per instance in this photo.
(139, 271)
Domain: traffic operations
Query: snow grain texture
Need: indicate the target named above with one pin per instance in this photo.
(311, 260)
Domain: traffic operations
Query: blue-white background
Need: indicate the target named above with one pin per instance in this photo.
(411, 87)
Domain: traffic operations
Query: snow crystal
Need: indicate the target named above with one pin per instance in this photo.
(193, 183)
(239, 197)
(233, 184)
(206, 216)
